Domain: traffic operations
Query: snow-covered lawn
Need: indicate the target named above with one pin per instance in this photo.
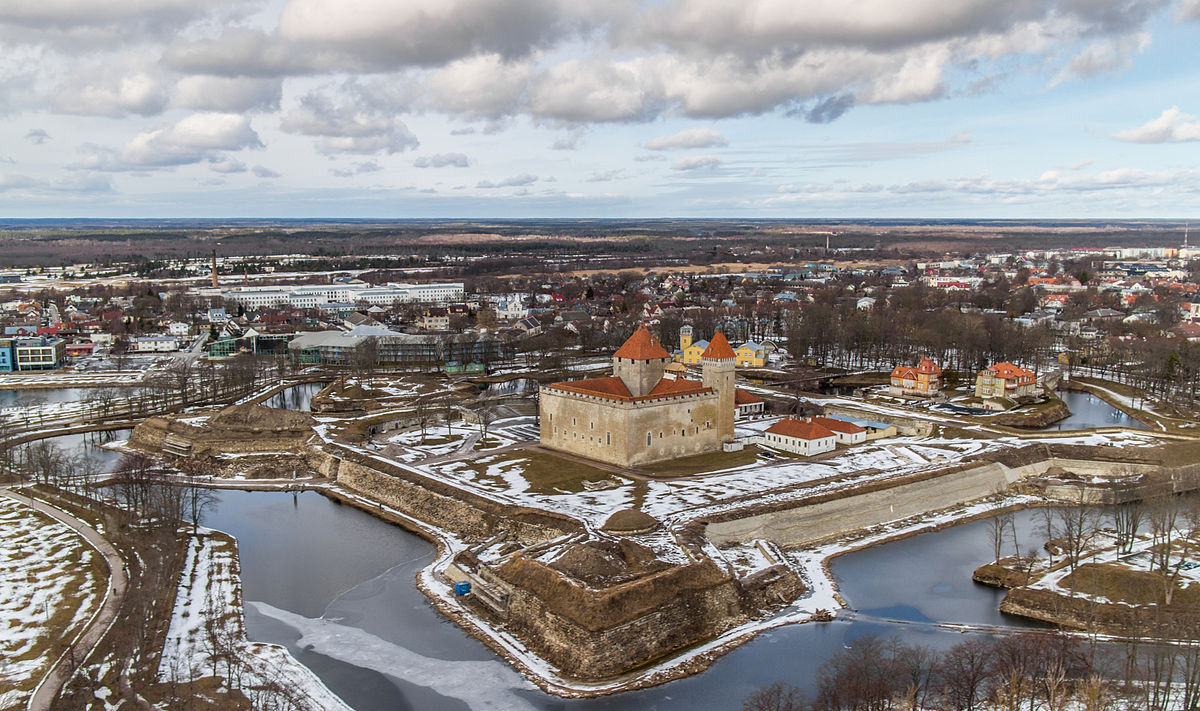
(50, 585)
(207, 636)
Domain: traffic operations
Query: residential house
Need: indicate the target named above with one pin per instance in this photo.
(750, 355)
(925, 380)
(1005, 380)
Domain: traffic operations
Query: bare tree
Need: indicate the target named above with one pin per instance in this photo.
(776, 697)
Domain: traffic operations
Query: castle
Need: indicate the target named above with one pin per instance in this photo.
(642, 414)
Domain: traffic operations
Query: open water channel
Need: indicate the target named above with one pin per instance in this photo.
(336, 586)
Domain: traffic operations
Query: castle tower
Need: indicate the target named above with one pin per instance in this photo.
(685, 337)
(640, 362)
(717, 366)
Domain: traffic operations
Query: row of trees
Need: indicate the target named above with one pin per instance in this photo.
(1044, 671)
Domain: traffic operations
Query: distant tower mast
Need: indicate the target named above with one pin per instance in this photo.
(214, 268)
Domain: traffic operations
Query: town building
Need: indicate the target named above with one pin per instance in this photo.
(641, 414)
(750, 355)
(800, 436)
(41, 353)
(925, 380)
(747, 404)
(1005, 380)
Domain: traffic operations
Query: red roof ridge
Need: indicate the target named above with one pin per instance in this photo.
(641, 346)
(718, 347)
(801, 429)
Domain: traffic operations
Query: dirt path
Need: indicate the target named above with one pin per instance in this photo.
(63, 669)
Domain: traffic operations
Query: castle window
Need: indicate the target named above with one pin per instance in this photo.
(608, 437)
(649, 439)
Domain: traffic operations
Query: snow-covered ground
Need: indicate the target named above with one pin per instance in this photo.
(501, 476)
(48, 591)
(207, 628)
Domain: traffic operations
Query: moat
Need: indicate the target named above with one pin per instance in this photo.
(303, 553)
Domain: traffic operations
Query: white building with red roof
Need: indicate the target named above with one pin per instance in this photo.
(800, 436)
(641, 413)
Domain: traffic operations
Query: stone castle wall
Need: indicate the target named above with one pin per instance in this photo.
(616, 432)
(469, 516)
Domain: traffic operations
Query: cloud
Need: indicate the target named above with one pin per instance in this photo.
(606, 175)
(37, 136)
(347, 127)
(1189, 10)
(514, 181)
(264, 172)
(94, 95)
(1104, 55)
(442, 160)
(358, 169)
(570, 141)
(194, 139)
(696, 163)
(212, 93)
(1173, 126)
(829, 109)
(226, 164)
(691, 138)
(78, 184)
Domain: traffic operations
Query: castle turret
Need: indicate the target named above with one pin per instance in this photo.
(640, 362)
(717, 365)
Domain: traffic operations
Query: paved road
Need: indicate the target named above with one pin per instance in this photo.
(58, 675)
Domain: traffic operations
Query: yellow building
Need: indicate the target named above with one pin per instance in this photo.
(750, 355)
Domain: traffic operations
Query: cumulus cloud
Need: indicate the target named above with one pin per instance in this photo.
(261, 171)
(1189, 10)
(514, 181)
(194, 139)
(213, 93)
(691, 138)
(347, 128)
(98, 95)
(1173, 126)
(442, 160)
(37, 136)
(696, 163)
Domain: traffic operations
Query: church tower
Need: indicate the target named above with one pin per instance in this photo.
(640, 362)
(685, 337)
(717, 366)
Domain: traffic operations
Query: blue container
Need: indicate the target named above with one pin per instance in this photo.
(462, 588)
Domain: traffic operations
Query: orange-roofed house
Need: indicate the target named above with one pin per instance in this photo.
(642, 413)
(804, 436)
(923, 380)
(1005, 380)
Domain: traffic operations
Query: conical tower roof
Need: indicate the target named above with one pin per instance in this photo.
(642, 346)
(718, 347)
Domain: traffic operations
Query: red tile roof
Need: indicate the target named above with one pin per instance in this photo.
(1008, 371)
(612, 387)
(718, 347)
(925, 367)
(741, 397)
(838, 425)
(676, 386)
(642, 346)
(800, 429)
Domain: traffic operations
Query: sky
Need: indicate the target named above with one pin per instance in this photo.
(600, 108)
